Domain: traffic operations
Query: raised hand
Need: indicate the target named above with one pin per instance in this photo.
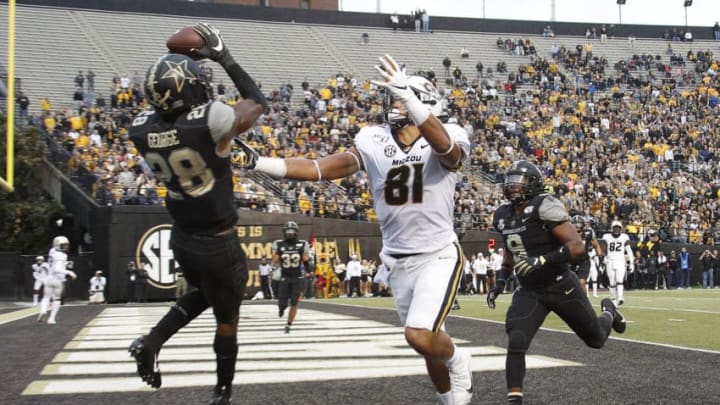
(215, 48)
(394, 79)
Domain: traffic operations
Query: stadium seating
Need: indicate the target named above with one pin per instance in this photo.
(70, 40)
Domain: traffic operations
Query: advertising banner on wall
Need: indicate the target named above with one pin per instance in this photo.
(141, 236)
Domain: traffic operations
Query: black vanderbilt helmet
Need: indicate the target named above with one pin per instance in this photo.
(290, 231)
(175, 83)
(523, 181)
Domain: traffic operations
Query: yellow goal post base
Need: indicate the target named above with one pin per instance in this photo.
(6, 186)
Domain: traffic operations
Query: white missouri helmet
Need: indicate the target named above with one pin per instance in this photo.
(39, 259)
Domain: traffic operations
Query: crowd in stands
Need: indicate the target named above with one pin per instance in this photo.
(519, 47)
(635, 142)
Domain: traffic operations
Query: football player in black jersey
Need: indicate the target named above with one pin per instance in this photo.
(289, 253)
(186, 140)
(540, 243)
(593, 251)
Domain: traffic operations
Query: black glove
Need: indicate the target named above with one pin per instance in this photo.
(495, 292)
(249, 160)
(525, 266)
(215, 48)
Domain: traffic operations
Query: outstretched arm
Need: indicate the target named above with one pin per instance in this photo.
(331, 167)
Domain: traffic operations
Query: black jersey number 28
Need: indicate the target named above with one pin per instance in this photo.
(194, 177)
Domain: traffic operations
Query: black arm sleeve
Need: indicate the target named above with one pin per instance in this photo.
(503, 274)
(245, 84)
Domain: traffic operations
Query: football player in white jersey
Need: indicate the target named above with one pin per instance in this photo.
(412, 166)
(58, 270)
(618, 253)
(40, 271)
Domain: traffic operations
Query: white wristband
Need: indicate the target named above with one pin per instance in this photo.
(272, 166)
(417, 111)
(317, 166)
(449, 149)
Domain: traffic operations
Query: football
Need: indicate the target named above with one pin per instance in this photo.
(184, 41)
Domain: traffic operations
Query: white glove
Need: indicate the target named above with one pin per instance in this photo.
(395, 79)
(396, 83)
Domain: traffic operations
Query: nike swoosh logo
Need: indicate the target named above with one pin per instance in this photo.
(218, 47)
(398, 87)
(567, 292)
(424, 146)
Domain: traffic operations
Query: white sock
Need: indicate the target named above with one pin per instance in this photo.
(620, 288)
(446, 398)
(454, 359)
(594, 288)
(35, 299)
(612, 293)
(44, 306)
(54, 310)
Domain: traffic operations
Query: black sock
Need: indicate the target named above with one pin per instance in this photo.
(515, 369)
(187, 308)
(225, 356)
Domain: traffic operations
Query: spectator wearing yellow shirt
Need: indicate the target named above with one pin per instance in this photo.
(305, 204)
(45, 105)
(82, 140)
(50, 122)
(325, 94)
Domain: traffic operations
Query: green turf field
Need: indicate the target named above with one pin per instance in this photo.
(676, 317)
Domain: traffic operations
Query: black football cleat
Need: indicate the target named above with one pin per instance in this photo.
(281, 312)
(222, 396)
(287, 329)
(618, 323)
(147, 362)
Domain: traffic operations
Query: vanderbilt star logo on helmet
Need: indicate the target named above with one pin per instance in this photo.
(178, 72)
(175, 83)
